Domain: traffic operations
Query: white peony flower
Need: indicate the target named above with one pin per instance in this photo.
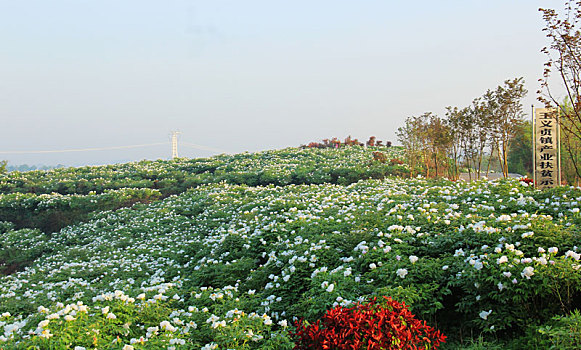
(402, 272)
(528, 272)
(502, 259)
(484, 314)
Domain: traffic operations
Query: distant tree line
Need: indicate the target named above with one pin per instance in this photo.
(26, 167)
(492, 132)
(349, 141)
(5, 167)
(492, 128)
(467, 139)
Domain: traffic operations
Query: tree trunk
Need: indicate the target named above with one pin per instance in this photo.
(504, 159)
(412, 163)
(500, 159)
(479, 167)
(490, 159)
(436, 162)
(426, 163)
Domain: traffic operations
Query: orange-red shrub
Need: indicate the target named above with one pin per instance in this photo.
(373, 325)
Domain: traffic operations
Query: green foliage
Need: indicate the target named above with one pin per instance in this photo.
(495, 259)
(52, 212)
(277, 167)
(19, 248)
(151, 320)
(520, 159)
(563, 332)
(51, 200)
(478, 343)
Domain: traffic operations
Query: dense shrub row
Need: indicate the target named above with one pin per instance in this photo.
(51, 212)
(277, 167)
(493, 258)
(51, 200)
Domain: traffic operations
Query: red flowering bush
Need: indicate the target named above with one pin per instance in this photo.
(526, 180)
(374, 325)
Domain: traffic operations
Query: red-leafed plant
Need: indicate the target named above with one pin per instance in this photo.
(526, 180)
(374, 325)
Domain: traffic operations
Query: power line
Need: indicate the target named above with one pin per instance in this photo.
(188, 144)
(204, 148)
(84, 149)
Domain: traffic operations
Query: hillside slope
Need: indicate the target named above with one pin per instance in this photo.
(51, 200)
(457, 253)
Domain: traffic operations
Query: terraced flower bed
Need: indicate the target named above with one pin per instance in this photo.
(235, 266)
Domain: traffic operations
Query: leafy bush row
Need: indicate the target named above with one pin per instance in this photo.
(492, 258)
(279, 167)
(51, 212)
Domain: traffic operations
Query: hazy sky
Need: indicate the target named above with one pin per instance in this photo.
(246, 75)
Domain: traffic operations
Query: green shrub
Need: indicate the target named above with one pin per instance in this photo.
(563, 332)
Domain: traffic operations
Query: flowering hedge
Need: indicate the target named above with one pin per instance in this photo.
(278, 167)
(157, 318)
(493, 258)
(51, 200)
(51, 212)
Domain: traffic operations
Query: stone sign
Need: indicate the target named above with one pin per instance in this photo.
(546, 159)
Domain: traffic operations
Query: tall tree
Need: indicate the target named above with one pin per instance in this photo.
(507, 117)
(564, 62)
(410, 137)
(427, 141)
(455, 133)
(469, 138)
(481, 112)
(423, 123)
(440, 141)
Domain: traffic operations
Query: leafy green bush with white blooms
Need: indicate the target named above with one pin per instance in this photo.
(225, 266)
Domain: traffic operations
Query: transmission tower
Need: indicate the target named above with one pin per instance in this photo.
(174, 144)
